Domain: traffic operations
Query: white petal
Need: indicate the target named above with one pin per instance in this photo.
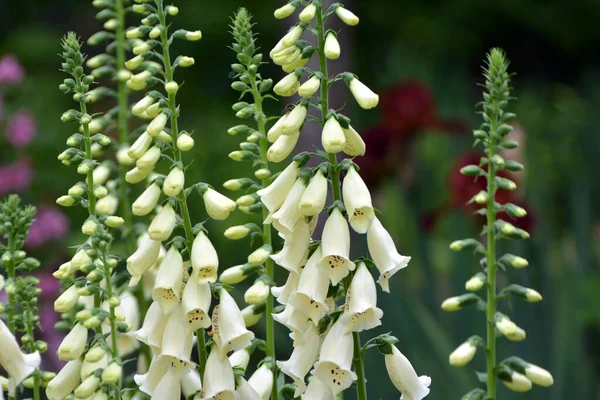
(295, 249)
(361, 312)
(335, 245)
(169, 281)
(196, 303)
(384, 254)
(403, 376)
(218, 379)
(274, 195)
(357, 200)
(312, 289)
(205, 260)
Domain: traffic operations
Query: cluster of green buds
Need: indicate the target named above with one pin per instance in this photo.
(514, 373)
(328, 298)
(90, 300)
(21, 311)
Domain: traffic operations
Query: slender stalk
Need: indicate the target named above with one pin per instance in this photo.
(183, 207)
(10, 271)
(36, 377)
(267, 237)
(491, 269)
(113, 325)
(357, 360)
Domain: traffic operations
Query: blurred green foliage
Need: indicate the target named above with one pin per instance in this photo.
(553, 46)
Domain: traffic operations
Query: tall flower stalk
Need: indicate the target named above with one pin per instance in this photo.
(515, 373)
(22, 310)
(95, 288)
(321, 273)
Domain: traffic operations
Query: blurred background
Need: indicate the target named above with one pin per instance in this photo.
(424, 59)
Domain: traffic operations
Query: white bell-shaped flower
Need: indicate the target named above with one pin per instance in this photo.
(302, 359)
(286, 218)
(65, 381)
(295, 248)
(205, 261)
(294, 120)
(335, 246)
(17, 364)
(67, 300)
(169, 387)
(217, 205)
(149, 159)
(162, 366)
(163, 224)
(174, 182)
(146, 202)
(72, 346)
(240, 359)
(347, 16)
(276, 130)
(355, 145)
(219, 382)
(361, 312)
(310, 87)
(364, 96)
(357, 200)
(245, 391)
(143, 258)
(191, 384)
(403, 376)
(332, 46)
(230, 332)
(314, 197)
(196, 303)
(311, 293)
(262, 382)
(333, 138)
(168, 284)
(177, 339)
(139, 147)
(283, 147)
(384, 254)
(287, 86)
(275, 194)
(295, 320)
(283, 293)
(153, 327)
(317, 390)
(334, 367)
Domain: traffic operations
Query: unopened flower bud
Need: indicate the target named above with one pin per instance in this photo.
(112, 373)
(308, 13)
(185, 142)
(174, 182)
(186, 61)
(114, 222)
(95, 354)
(285, 11)
(332, 46)
(476, 282)
(262, 173)
(237, 232)
(87, 387)
(100, 191)
(459, 302)
(259, 256)
(252, 315)
(347, 16)
(193, 36)
(171, 87)
(172, 10)
(65, 201)
(89, 227)
(257, 293)
(465, 352)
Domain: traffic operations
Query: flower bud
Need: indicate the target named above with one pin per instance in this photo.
(287, 86)
(171, 87)
(262, 173)
(364, 96)
(347, 16)
(100, 191)
(95, 321)
(89, 227)
(481, 197)
(459, 302)
(73, 344)
(252, 315)
(163, 224)
(87, 387)
(465, 352)
(285, 11)
(310, 87)
(237, 274)
(142, 105)
(515, 381)
(114, 222)
(65, 201)
(134, 62)
(259, 256)
(333, 138)
(476, 282)
(186, 61)
(193, 36)
(149, 159)
(257, 293)
(237, 232)
(538, 375)
(217, 205)
(112, 374)
(157, 125)
(246, 200)
(144, 204)
(95, 354)
(83, 168)
(174, 182)
(185, 142)
(67, 300)
(137, 175)
(155, 32)
(332, 46)
(172, 10)
(509, 329)
(308, 13)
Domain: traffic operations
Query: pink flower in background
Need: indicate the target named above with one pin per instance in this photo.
(10, 70)
(21, 129)
(49, 224)
(15, 177)
(1, 107)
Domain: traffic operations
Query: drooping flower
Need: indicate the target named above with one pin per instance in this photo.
(275, 194)
(283, 293)
(178, 339)
(205, 260)
(283, 147)
(191, 384)
(196, 302)
(65, 381)
(361, 312)
(153, 327)
(168, 284)
(311, 292)
(219, 382)
(230, 332)
(403, 376)
(357, 200)
(217, 205)
(364, 96)
(143, 258)
(333, 138)
(295, 248)
(384, 254)
(162, 367)
(315, 196)
(73, 344)
(163, 224)
(262, 381)
(17, 364)
(286, 218)
(317, 390)
(302, 359)
(335, 245)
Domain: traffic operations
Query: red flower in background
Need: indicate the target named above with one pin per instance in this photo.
(408, 107)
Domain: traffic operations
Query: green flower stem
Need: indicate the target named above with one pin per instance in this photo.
(113, 321)
(28, 320)
(122, 127)
(267, 235)
(357, 361)
(183, 207)
(491, 265)
(10, 271)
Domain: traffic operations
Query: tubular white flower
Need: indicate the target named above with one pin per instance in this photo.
(335, 245)
(146, 202)
(217, 205)
(157, 124)
(149, 159)
(101, 174)
(257, 293)
(287, 86)
(310, 87)
(302, 359)
(355, 145)
(361, 312)
(294, 120)
(307, 15)
(463, 354)
(140, 146)
(195, 303)
(384, 254)
(177, 340)
(152, 330)
(518, 382)
(283, 147)
(245, 391)
(287, 217)
(252, 314)
(311, 293)
(137, 175)
(333, 138)
(174, 182)
(364, 96)
(295, 248)
(205, 260)
(163, 224)
(67, 300)
(159, 369)
(292, 36)
(168, 284)
(143, 258)
(357, 200)
(317, 390)
(72, 346)
(334, 367)
(240, 359)
(228, 325)
(169, 386)
(276, 130)
(283, 293)
(274, 195)
(347, 16)
(296, 321)
(142, 105)
(314, 197)
(17, 364)
(219, 382)
(191, 384)
(332, 46)
(262, 382)
(403, 376)
(65, 381)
